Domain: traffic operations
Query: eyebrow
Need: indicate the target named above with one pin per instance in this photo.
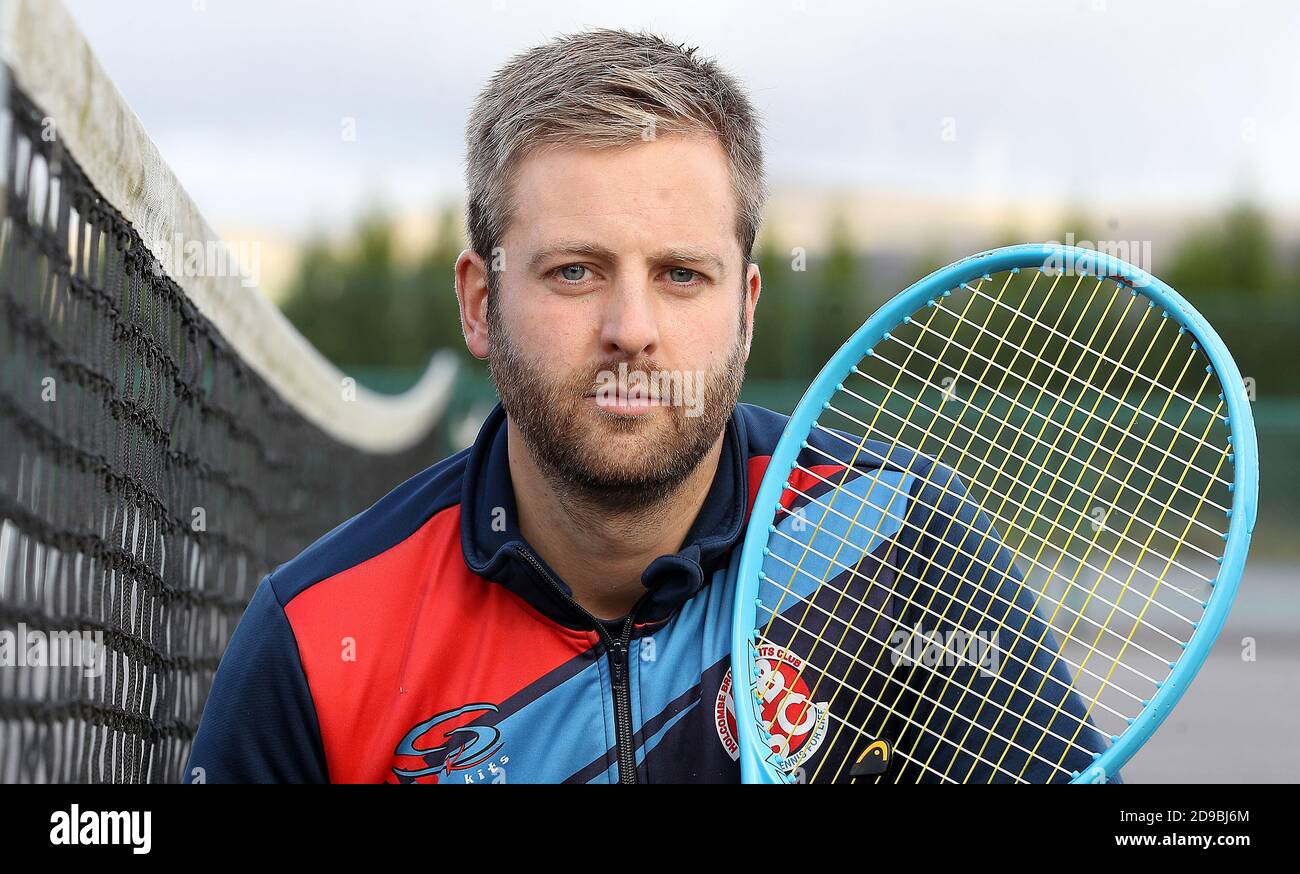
(583, 248)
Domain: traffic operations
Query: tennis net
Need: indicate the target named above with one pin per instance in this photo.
(166, 439)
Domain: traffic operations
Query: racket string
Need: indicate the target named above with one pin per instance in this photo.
(966, 359)
(1117, 364)
(1208, 528)
(1014, 526)
(903, 688)
(1120, 655)
(1036, 357)
(1062, 425)
(1096, 445)
(1053, 481)
(850, 466)
(975, 560)
(899, 370)
(861, 445)
(1136, 696)
(926, 729)
(1070, 632)
(1056, 478)
(947, 342)
(1156, 423)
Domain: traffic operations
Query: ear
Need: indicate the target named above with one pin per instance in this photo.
(753, 288)
(472, 295)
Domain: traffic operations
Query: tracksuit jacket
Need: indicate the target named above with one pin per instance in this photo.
(424, 641)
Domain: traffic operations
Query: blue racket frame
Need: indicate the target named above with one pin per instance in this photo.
(755, 766)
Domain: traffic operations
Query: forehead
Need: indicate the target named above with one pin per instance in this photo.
(672, 190)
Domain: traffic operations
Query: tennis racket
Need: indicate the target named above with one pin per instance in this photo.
(1000, 533)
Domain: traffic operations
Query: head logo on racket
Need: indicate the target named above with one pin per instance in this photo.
(874, 760)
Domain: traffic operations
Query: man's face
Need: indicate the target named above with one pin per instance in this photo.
(619, 326)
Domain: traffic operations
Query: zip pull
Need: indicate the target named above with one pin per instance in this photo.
(618, 658)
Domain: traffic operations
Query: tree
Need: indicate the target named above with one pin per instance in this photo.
(772, 355)
(841, 300)
(361, 307)
(1232, 255)
(432, 289)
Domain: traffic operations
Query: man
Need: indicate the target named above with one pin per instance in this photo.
(552, 604)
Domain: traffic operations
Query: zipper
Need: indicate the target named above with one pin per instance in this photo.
(618, 649)
(619, 654)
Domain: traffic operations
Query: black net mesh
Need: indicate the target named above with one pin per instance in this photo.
(148, 480)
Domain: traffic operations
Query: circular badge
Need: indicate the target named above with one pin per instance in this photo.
(798, 725)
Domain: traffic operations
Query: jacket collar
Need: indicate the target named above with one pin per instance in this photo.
(495, 549)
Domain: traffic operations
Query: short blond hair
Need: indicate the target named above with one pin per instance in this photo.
(603, 88)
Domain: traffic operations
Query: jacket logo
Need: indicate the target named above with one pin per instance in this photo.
(443, 750)
(798, 726)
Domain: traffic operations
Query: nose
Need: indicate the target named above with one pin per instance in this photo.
(629, 327)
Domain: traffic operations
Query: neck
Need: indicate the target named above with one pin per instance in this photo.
(600, 553)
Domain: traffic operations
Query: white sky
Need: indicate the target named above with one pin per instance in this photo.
(1159, 104)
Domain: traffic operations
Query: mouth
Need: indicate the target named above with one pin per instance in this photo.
(621, 404)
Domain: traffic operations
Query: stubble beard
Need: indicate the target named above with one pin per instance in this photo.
(593, 458)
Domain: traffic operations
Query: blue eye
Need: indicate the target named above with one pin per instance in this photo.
(676, 274)
(567, 275)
